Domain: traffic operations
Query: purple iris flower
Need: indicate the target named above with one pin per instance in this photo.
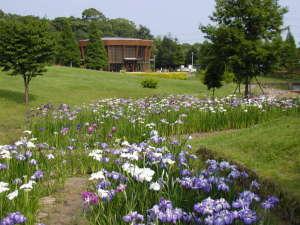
(104, 184)
(38, 175)
(270, 203)
(13, 218)
(3, 166)
(165, 212)
(248, 216)
(133, 218)
(89, 198)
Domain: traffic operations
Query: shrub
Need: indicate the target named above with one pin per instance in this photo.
(149, 83)
(228, 77)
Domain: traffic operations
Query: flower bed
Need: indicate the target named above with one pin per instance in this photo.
(154, 183)
(141, 168)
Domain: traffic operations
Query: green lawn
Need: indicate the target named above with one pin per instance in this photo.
(271, 149)
(77, 86)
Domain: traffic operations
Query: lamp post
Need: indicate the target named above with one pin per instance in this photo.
(192, 60)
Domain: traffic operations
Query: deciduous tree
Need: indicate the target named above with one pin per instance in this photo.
(241, 35)
(26, 47)
(169, 54)
(92, 14)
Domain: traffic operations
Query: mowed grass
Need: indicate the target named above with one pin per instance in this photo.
(270, 149)
(76, 86)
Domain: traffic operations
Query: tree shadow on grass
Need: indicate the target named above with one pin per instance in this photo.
(14, 96)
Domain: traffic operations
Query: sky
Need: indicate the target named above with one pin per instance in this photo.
(181, 18)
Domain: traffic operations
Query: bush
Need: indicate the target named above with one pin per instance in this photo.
(228, 77)
(149, 83)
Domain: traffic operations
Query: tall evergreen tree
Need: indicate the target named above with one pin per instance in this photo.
(67, 51)
(290, 52)
(214, 74)
(95, 56)
(26, 46)
(241, 34)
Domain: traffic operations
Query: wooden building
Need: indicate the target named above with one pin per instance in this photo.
(130, 54)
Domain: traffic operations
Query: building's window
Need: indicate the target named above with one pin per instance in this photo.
(130, 52)
(141, 52)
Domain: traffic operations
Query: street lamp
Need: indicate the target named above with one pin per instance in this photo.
(192, 60)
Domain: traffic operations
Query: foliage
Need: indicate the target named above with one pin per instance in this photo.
(67, 52)
(149, 83)
(66, 31)
(2, 13)
(123, 27)
(243, 34)
(95, 55)
(169, 54)
(144, 33)
(169, 75)
(25, 47)
(289, 52)
(228, 77)
(205, 54)
(214, 74)
(92, 14)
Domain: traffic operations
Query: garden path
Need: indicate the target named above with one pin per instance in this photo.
(65, 206)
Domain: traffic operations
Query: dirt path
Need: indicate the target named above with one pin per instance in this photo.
(65, 206)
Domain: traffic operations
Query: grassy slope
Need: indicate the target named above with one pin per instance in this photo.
(271, 149)
(76, 86)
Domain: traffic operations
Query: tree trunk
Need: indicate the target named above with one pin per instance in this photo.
(246, 94)
(26, 90)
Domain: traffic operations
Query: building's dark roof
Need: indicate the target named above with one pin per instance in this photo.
(121, 39)
(110, 41)
(118, 39)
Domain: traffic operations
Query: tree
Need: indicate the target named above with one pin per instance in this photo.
(123, 28)
(93, 14)
(205, 54)
(96, 57)
(242, 34)
(144, 33)
(67, 52)
(289, 56)
(2, 13)
(25, 47)
(192, 54)
(169, 53)
(214, 74)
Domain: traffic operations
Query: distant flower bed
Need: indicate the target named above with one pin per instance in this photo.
(168, 75)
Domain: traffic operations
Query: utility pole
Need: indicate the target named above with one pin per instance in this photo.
(192, 60)
(154, 62)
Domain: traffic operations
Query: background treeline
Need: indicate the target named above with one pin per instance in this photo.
(66, 31)
(169, 53)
